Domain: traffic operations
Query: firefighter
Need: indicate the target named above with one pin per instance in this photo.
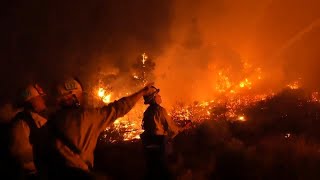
(25, 130)
(75, 129)
(158, 129)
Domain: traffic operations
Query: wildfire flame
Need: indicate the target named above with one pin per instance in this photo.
(229, 104)
(128, 126)
(223, 82)
(245, 83)
(106, 98)
(294, 85)
(230, 108)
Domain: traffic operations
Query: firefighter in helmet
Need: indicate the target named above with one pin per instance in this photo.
(75, 129)
(25, 130)
(158, 129)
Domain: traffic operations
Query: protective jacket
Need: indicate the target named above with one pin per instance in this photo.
(24, 135)
(156, 121)
(76, 131)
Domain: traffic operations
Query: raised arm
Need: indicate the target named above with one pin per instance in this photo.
(122, 106)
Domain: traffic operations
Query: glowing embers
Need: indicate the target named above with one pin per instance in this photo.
(245, 84)
(294, 85)
(315, 97)
(126, 128)
(130, 128)
(229, 108)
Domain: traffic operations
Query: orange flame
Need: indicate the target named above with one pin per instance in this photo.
(294, 85)
(106, 98)
(241, 118)
(245, 83)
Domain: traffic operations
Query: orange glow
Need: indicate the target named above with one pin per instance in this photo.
(223, 82)
(294, 85)
(135, 77)
(129, 126)
(245, 83)
(132, 128)
(241, 118)
(106, 98)
(229, 97)
(315, 97)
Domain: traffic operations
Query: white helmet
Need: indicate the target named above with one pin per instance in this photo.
(69, 86)
(32, 91)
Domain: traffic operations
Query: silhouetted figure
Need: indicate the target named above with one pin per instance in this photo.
(26, 132)
(158, 128)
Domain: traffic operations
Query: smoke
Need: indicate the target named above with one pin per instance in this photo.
(278, 37)
(191, 42)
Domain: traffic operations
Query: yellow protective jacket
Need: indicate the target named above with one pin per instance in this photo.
(21, 147)
(156, 121)
(80, 128)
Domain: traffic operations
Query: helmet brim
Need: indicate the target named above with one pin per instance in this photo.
(149, 98)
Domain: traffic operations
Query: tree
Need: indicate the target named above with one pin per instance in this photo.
(143, 70)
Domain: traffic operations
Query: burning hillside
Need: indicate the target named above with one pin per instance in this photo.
(243, 72)
(230, 98)
(279, 131)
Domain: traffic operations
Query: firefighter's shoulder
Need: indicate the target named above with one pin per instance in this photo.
(18, 118)
(161, 109)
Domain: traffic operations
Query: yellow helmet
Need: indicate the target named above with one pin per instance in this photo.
(32, 91)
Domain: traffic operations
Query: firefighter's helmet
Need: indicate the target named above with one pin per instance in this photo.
(69, 86)
(150, 96)
(32, 91)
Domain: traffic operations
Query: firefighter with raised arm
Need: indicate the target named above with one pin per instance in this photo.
(158, 127)
(75, 129)
(26, 130)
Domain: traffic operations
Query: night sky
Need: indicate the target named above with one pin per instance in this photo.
(44, 40)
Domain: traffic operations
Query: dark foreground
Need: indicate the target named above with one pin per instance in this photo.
(280, 140)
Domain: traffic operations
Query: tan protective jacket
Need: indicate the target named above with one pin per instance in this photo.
(20, 147)
(156, 121)
(82, 127)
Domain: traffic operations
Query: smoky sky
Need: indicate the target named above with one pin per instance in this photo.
(280, 37)
(44, 40)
